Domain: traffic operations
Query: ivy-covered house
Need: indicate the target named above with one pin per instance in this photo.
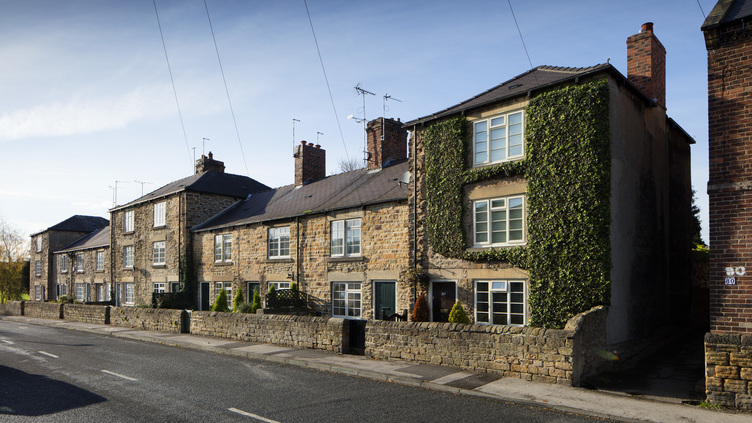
(556, 191)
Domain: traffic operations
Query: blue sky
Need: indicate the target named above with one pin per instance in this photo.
(87, 99)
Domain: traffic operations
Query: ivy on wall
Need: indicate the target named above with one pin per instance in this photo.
(568, 181)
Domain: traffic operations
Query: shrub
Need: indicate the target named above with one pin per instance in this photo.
(245, 308)
(294, 287)
(256, 301)
(238, 301)
(421, 312)
(458, 315)
(220, 304)
(65, 299)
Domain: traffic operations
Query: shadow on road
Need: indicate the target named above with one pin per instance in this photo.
(25, 394)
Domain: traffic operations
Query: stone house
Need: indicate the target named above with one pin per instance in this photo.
(343, 239)
(43, 283)
(556, 191)
(83, 268)
(728, 39)
(150, 236)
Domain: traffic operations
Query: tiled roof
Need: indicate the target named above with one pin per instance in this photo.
(209, 182)
(337, 192)
(726, 11)
(97, 239)
(78, 223)
(535, 79)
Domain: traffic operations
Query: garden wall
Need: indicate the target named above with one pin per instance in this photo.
(322, 333)
(43, 310)
(160, 319)
(728, 370)
(12, 308)
(87, 313)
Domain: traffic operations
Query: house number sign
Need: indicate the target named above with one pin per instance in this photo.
(733, 272)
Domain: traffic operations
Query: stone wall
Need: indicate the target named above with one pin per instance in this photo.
(87, 313)
(12, 308)
(728, 370)
(320, 333)
(148, 319)
(43, 310)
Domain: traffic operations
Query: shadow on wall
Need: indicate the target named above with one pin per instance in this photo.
(24, 394)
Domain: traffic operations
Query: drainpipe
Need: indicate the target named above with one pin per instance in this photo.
(297, 254)
(415, 204)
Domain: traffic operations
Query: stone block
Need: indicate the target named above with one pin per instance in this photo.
(719, 358)
(713, 384)
(726, 372)
(740, 359)
(726, 399)
(736, 386)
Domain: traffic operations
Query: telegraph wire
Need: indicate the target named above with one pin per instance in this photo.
(227, 91)
(523, 41)
(336, 115)
(701, 11)
(172, 80)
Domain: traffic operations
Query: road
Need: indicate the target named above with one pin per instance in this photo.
(54, 374)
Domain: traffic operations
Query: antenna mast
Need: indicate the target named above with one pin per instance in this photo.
(363, 93)
(293, 135)
(383, 113)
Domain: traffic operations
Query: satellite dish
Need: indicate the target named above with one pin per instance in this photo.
(405, 179)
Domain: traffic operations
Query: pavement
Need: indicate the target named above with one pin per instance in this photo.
(641, 397)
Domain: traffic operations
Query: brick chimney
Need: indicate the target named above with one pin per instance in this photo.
(646, 64)
(386, 140)
(208, 163)
(310, 163)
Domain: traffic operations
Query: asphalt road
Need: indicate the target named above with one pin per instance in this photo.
(53, 374)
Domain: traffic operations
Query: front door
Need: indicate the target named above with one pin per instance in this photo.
(443, 296)
(117, 295)
(205, 296)
(384, 299)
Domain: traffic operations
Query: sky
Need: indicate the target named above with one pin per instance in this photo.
(88, 102)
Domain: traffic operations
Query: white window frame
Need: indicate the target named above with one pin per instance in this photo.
(346, 238)
(227, 286)
(160, 212)
(108, 291)
(128, 256)
(100, 291)
(99, 260)
(130, 293)
(498, 127)
(80, 291)
(223, 248)
(62, 289)
(159, 287)
(128, 219)
(484, 237)
(37, 293)
(279, 285)
(79, 262)
(484, 307)
(347, 300)
(38, 268)
(64, 263)
(39, 244)
(279, 242)
(158, 253)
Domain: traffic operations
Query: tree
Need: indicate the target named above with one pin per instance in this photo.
(220, 304)
(349, 164)
(696, 225)
(12, 264)
(238, 301)
(256, 301)
(458, 315)
(421, 313)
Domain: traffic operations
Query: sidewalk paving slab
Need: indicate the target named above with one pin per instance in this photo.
(610, 405)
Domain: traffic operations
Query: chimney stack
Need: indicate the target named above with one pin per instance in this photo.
(646, 64)
(310, 163)
(386, 140)
(208, 163)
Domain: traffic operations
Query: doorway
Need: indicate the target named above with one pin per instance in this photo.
(443, 296)
(384, 299)
(205, 296)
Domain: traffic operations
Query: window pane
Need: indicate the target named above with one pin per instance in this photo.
(502, 286)
(515, 118)
(497, 121)
(481, 317)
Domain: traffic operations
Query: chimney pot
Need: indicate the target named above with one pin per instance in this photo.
(303, 142)
(310, 144)
(647, 26)
(318, 146)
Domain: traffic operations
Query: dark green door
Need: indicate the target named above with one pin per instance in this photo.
(205, 296)
(384, 299)
(442, 301)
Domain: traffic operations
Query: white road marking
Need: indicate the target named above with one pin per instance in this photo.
(48, 354)
(247, 414)
(119, 375)
(8, 342)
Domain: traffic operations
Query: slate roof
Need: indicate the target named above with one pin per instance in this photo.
(534, 79)
(209, 182)
(337, 192)
(727, 11)
(78, 223)
(96, 239)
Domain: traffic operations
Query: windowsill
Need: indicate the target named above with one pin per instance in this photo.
(128, 268)
(99, 271)
(158, 266)
(339, 259)
(493, 247)
(223, 263)
(160, 227)
(514, 159)
(129, 232)
(279, 260)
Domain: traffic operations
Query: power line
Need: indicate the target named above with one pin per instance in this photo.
(227, 91)
(172, 80)
(701, 11)
(523, 40)
(336, 115)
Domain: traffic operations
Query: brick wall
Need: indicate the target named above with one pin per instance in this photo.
(87, 313)
(43, 310)
(148, 319)
(12, 308)
(310, 162)
(391, 144)
(293, 331)
(646, 64)
(728, 370)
